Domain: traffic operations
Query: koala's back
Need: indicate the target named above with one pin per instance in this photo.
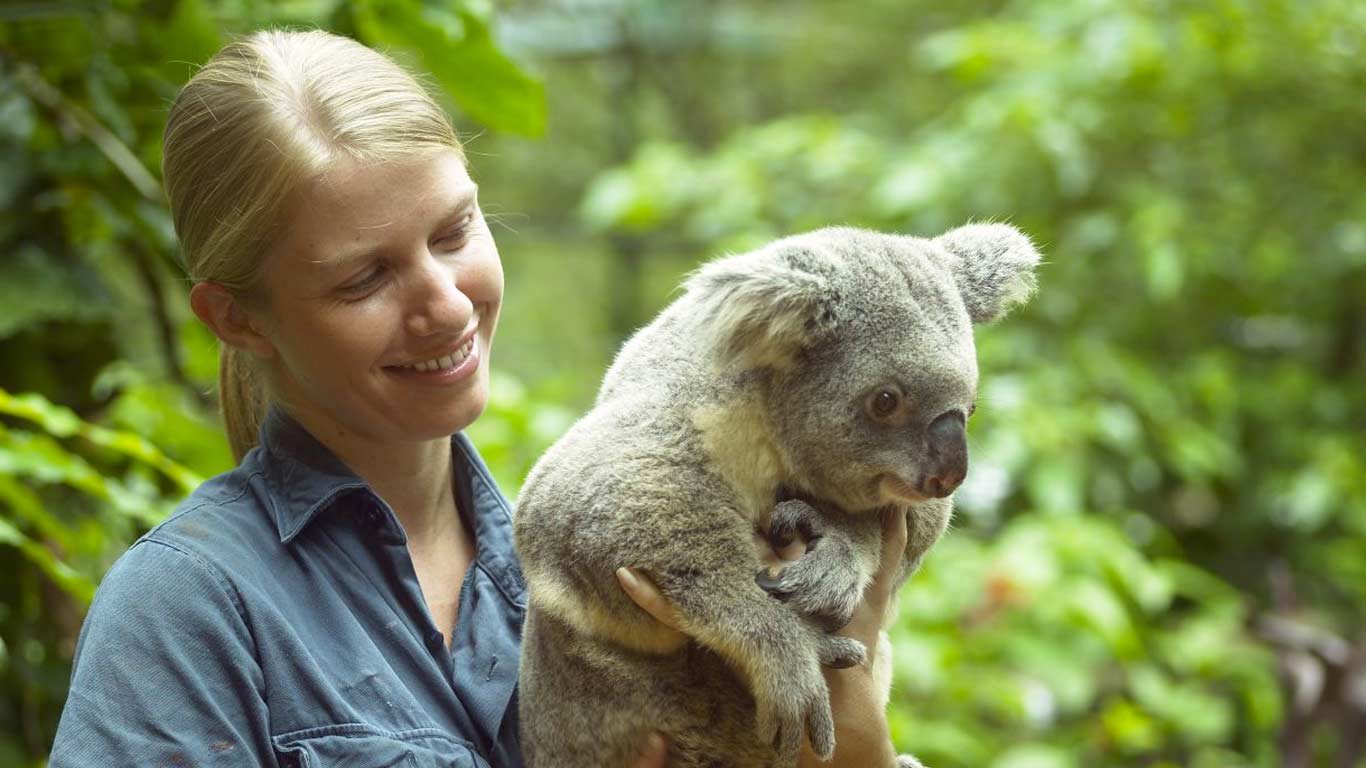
(624, 478)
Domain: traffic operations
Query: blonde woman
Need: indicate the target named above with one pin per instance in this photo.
(348, 594)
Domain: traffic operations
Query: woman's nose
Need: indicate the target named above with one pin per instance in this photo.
(436, 303)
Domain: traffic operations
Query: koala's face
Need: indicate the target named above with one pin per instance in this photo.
(865, 341)
(875, 413)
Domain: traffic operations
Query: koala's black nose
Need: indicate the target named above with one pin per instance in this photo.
(948, 441)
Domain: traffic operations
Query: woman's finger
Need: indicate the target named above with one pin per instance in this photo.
(645, 594)
(894, 535)
(656, 753)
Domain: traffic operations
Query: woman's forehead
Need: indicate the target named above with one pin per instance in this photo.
(356, 205)
(369, 190)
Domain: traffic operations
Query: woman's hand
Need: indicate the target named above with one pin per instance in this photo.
(861, 736)
(871, 615)
(645, 594)
(656, 753)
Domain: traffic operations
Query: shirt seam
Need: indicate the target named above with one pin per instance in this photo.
(365, 729)
(228, 588)
(222, 581)
(246, 486)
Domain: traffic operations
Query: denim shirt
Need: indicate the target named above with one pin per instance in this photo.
(276, 619)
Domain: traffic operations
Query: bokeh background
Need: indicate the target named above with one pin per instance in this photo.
(1159, 558)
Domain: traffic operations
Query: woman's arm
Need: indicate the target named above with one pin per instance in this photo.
(165, 671)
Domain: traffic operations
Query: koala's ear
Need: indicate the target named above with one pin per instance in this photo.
(993, 265)
(761, 308)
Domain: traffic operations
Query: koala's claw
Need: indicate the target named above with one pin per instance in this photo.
(824, 586)
(820, 728)
(842, 652)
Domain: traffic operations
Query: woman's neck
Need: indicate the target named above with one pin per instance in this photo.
(413, 478)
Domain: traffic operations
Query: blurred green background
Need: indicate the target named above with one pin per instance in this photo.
(1160, 554)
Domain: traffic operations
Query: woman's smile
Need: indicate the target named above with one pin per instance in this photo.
(446, 367)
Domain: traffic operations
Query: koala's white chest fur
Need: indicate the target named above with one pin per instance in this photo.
(740, 443)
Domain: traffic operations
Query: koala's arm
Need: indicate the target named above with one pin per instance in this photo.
(826, 584)
(718, 604)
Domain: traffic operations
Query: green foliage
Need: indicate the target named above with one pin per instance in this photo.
(72, 496)
(455, 46)
(1168, 455)
(1057, 642)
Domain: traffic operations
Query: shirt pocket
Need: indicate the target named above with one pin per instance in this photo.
(362, 746)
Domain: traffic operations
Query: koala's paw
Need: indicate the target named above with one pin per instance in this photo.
(792, 519)
(906, 761)
(841, 652)
(825, 585)
(791, 702)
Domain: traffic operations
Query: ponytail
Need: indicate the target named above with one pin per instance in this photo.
(242, 399)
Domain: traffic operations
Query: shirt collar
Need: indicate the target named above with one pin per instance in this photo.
(304, 477)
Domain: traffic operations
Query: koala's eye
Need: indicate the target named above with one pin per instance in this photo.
(972, 409)
(884, 403)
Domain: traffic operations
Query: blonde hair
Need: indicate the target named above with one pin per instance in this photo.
(267, 113)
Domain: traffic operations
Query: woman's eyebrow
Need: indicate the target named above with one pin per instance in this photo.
(462, 204)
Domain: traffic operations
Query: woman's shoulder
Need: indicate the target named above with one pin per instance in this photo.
(216, 535)
(224, 515)
(197, 567)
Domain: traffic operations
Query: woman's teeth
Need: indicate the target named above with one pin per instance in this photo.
(442, 363)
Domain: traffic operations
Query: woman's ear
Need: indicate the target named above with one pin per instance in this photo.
(229, 320)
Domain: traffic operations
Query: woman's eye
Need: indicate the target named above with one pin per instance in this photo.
(884, 403)
(455, 240)
(365, 284)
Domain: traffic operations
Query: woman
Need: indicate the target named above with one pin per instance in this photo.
(348, 595)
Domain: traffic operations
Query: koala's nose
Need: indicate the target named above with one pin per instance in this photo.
(948, 441)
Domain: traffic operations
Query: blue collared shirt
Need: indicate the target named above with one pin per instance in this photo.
(276, 619)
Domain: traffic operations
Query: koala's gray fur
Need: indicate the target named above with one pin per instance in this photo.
(757, 381)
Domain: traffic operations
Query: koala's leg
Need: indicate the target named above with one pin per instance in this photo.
(827, 583)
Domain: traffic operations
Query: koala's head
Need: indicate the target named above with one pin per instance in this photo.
(863, 342)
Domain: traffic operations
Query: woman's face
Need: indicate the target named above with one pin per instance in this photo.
(383, 296)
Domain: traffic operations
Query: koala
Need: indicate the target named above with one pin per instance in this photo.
(799, 389)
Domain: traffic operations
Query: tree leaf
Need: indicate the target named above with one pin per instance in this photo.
(458, 50)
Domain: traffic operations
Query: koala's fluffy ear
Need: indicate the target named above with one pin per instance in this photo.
(993, 265)
(761, 308)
